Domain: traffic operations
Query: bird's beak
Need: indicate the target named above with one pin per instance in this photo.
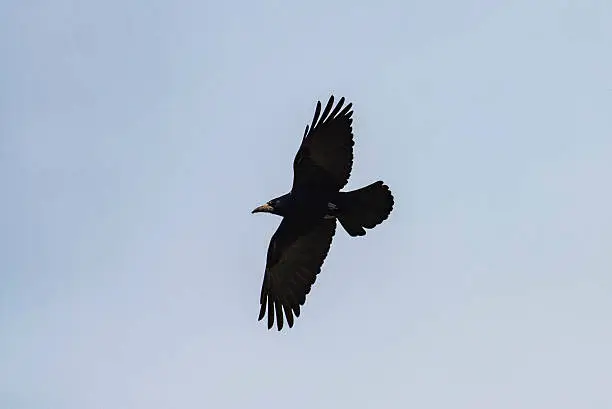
(263, 208)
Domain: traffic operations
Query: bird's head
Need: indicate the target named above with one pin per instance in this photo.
(275, 206)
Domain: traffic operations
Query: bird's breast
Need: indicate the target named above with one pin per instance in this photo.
(312, 203)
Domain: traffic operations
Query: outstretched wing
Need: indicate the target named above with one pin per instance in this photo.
(295, 256)
(325, 157)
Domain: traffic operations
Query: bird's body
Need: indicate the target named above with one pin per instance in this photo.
(304, 203)
(298, 248)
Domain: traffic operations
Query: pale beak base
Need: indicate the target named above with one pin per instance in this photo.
(265, 208)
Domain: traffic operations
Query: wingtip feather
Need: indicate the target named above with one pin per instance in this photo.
(270, 313)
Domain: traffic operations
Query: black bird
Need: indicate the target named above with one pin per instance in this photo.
(299, 246)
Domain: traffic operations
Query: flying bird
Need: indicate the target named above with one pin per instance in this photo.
(298, 248)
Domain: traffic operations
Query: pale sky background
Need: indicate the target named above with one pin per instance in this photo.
(136, 137)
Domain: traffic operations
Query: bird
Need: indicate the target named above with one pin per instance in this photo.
(300, 245)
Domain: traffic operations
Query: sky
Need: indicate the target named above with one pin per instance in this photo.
(136, 137)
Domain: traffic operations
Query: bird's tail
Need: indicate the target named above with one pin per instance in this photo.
(365, 208)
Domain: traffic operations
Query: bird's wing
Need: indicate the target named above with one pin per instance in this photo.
(295, 256)
(325, 157)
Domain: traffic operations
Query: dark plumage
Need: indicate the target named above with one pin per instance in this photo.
(321, 168)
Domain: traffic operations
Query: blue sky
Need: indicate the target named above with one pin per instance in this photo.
(136, 137)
